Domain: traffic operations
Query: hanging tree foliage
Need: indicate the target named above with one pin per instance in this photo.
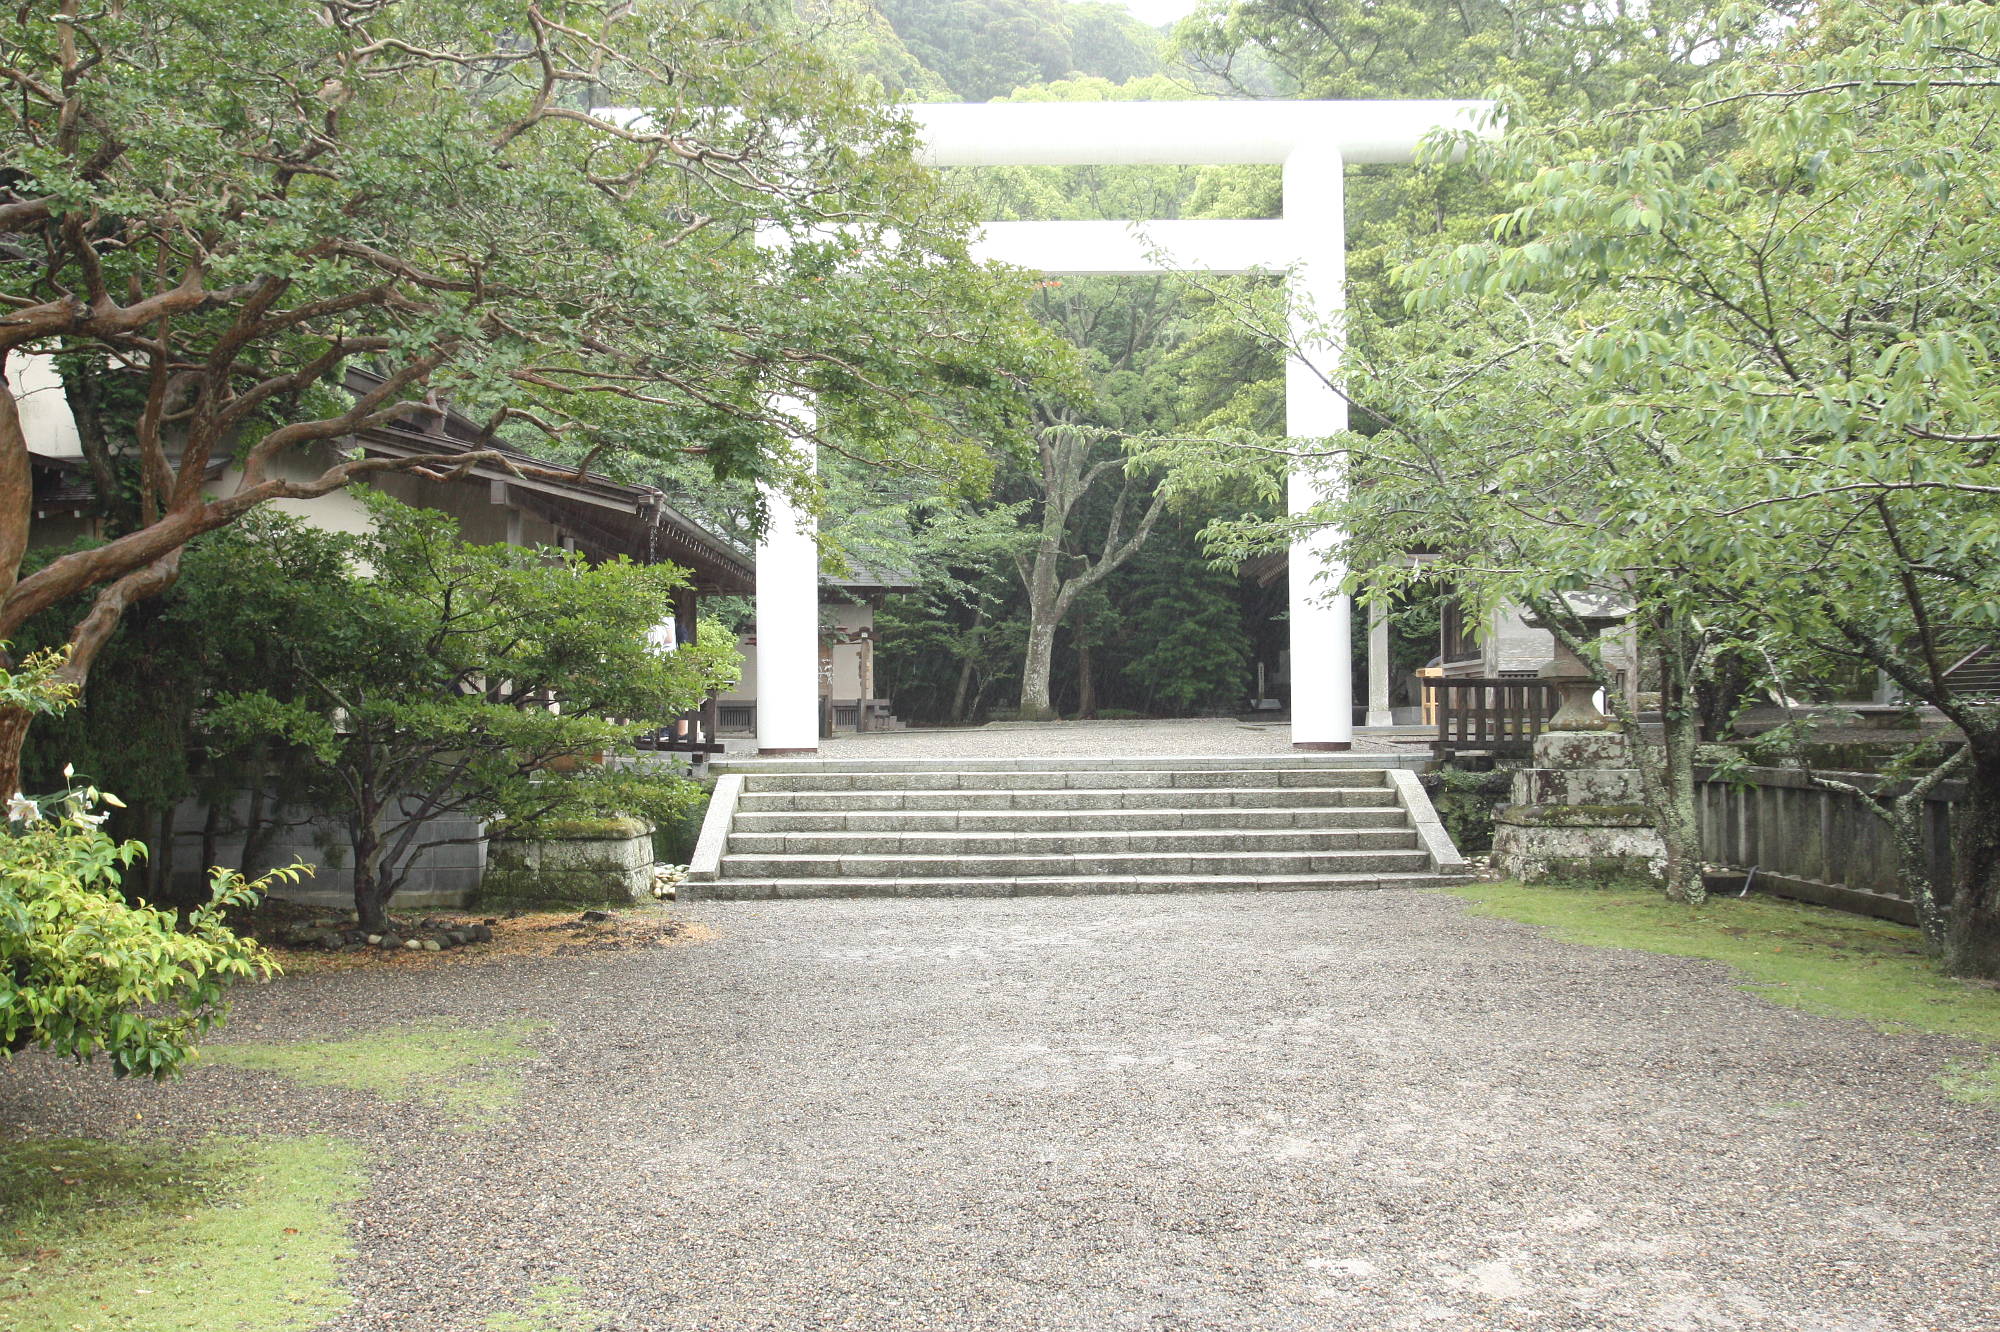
(218, 205)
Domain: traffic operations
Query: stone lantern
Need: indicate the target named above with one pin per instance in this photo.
(1579, 813)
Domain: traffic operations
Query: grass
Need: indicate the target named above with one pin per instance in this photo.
(1825, 962)
(236, 1235)
(464, 1069)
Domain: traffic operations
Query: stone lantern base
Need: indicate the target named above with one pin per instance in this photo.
(1578, 814)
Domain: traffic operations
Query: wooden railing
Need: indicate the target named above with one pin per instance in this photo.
(1488, 716)
(692, 733)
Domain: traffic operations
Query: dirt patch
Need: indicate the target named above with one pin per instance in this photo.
(523, 935)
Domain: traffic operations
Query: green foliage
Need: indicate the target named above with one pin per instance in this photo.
(466, 1072)
(983, 49)
(1184, 633)
(1465, 801)
(1824, 962)
(83, 972)
(235, 1235)
(428, 677)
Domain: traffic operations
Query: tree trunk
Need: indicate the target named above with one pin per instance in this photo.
(1086, 683)
(13, 734)
(163, 856)
(1679, 827)
(1039, 662)
(1972, 943)
(964, 688)
(1680, 718)
(371, 888)
(211, 833)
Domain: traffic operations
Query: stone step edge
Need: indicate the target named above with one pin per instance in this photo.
(1073, 763)
(1201, 811)
(1056, 885)
(1186, 839)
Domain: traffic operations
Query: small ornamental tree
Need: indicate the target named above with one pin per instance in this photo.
(212, 209)
(84, 972)
(435, 678)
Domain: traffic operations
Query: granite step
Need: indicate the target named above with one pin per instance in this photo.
(1165, 841)
(752, 819)
(1143, 864)
(1070, 780)
(758, 800)
(1065, 885)
(1004, 828)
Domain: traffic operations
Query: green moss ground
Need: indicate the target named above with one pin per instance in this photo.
(556, 1307)
(237, 1235)
(1825, 962)
(466, 1070)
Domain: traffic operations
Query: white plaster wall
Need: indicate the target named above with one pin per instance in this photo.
(45, 414)
(847, 656)
(846, 677)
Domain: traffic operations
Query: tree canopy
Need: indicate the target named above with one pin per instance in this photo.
(549, 213)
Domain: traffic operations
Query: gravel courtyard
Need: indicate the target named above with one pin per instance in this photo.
(1300, 1111)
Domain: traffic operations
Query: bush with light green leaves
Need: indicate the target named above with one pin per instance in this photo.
(83, 972)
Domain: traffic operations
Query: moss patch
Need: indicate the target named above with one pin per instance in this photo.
(465, 1070)
(556, 1307)
(237, 1235)
(1825, 962)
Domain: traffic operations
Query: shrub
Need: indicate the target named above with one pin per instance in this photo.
(83, 972)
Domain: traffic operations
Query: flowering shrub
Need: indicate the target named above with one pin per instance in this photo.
(83, 972)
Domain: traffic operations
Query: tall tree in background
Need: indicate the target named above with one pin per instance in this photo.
(1054, 573)
(224, 204)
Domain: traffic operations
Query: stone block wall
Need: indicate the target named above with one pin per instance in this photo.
(594, 862)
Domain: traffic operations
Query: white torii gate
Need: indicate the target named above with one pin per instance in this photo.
(1313, 142)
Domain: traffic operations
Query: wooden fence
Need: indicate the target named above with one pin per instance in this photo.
(1822, 846)
(1488, 716)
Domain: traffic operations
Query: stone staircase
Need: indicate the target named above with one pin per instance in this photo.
(1014, 827)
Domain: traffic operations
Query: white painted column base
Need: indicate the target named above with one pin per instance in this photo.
(788, 624)
(1322, 651)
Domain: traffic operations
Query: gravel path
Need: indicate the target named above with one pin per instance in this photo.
(1364, 1111)
(1176, 738)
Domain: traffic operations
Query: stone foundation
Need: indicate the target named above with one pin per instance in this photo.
(596, 862)
(1578, 814)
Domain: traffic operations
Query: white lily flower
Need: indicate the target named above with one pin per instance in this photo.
(22, 810)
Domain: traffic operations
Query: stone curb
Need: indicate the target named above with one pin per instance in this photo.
(708, 848)
(1423, 817)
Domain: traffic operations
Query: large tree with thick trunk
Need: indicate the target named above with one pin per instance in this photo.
(1051, 567)
(212, 209)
